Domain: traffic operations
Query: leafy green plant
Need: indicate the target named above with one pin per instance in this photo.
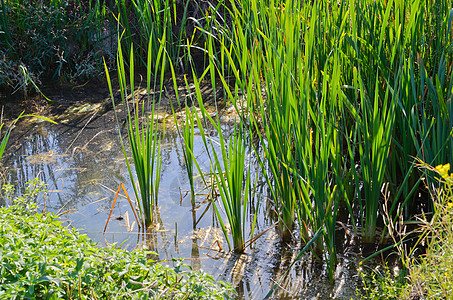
(28, 200)
(384, 283)
(5, 35)
(57, 40)
(432, 275)
(41, 259)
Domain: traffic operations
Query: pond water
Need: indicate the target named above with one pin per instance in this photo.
(81, 161)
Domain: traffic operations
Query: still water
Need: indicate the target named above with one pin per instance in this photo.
(81, 161)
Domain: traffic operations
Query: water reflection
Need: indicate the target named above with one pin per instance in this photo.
(83, 165)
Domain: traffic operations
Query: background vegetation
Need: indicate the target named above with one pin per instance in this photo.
(51, 41)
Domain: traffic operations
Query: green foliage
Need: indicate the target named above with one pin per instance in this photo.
(383, 283)
(432, 275)
(342, 96)
(41, 259)
(59, 40)
(231, 175)
(429, 276)
(232, 179)
(27, 200)
(5, 136)
(144, 138)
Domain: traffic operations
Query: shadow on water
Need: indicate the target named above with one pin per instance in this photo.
(83, 164)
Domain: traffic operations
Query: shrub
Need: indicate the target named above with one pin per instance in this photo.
(59, 40)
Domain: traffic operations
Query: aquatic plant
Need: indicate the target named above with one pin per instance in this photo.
(143, 135)
(428, 275)
(233, 182)
(295, 123)
(189, 160)
(5, 139)
(187, 134)
(231, 174)
(323, 96)
(337, 100)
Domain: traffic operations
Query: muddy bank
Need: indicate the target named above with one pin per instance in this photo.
(64, 101)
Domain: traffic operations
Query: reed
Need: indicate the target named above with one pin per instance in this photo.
(228, 157)
(296, 122)
(233, 182)
(139, 20)
(5, 139)
(187, 132)
(323, 96)
(144, 138)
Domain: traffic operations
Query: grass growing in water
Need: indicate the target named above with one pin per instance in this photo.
(233, 181)
(328, 89)
(231, 174)
(144, 138)
(5, 136)
(340, 95)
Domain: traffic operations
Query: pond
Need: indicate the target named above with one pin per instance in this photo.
(81, 161)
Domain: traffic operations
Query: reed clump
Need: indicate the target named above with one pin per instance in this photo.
(343, 96)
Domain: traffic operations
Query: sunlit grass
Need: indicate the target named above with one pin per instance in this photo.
(339, 97)
(5, 136)
(143, 135)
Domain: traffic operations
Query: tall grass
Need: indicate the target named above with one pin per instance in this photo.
(187, 133)
(5, 138)
(231, 174)
(336, 99)
(143, 135)
(139, 20)
(334, 93)
(233, 181)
